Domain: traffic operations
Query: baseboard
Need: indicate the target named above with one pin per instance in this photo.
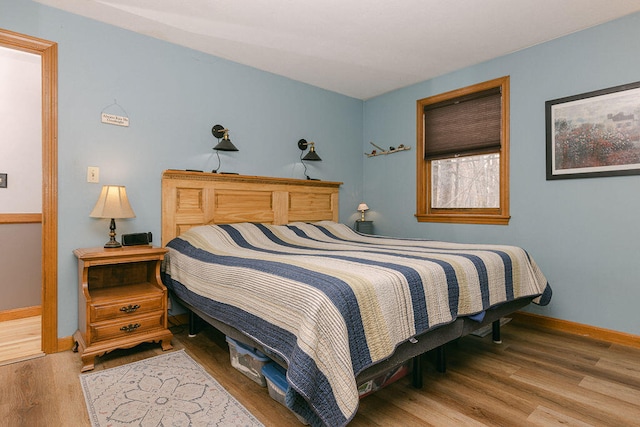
(578, 329)
(179, 319)
(66, 343)
(20, 313)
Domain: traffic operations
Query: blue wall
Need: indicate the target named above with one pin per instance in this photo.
(172, 96)
(583, 233)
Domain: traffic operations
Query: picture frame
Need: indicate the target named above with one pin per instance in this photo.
(3, 180)
(594, 134)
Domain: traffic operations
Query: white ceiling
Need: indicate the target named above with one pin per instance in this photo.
(359, 48)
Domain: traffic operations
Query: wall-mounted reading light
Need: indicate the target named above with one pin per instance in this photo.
(311, 155)
(224, 142)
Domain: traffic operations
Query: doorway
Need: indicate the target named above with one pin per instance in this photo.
(48, 52)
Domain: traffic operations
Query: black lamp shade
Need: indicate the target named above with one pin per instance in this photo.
(312, 155)
(225, 145)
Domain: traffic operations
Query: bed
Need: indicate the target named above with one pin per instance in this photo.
(266, 261)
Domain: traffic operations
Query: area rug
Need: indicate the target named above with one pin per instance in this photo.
(166, 390)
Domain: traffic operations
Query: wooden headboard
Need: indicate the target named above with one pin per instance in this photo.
(198, 198)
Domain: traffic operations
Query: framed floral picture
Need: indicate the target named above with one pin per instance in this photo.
(594, 134)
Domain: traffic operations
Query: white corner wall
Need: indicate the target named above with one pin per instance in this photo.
(20, 131)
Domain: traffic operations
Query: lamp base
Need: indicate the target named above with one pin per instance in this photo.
(112, 243)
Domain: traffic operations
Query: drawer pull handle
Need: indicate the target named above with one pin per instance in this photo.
(130, 327)
(130, 308)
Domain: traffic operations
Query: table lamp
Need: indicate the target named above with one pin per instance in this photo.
(112, 203)
(363, 207)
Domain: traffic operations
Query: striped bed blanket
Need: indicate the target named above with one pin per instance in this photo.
(332, 302)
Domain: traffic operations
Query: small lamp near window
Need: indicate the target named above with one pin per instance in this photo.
(310, 156)
(362, 207)
(224, 142)
(112, 203)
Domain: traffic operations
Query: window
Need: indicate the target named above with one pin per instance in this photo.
(463, 155)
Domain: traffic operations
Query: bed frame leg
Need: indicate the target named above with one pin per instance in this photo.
(193, 324)
(495, 332)
(416, 379)
(441, 360)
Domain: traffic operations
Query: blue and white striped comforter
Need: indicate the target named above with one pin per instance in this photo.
(332, 302)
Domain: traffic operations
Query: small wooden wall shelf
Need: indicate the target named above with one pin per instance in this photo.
(382, 151)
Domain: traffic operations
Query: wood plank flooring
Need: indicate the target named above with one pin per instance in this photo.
(20, 339)
(535, 378)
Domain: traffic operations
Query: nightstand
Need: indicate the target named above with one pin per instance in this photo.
(365, 227)
(121, 300)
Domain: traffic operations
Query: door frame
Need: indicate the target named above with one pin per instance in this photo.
(48, 52)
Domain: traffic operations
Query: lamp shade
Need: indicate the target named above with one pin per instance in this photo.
(225, 144)
(112, 203)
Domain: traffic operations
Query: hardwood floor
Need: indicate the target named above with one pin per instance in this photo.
(20, 339)
(536, 377)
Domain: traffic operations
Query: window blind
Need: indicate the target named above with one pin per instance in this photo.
(465, 125)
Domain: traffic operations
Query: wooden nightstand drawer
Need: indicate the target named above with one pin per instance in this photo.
(126, 327)
(126, 308)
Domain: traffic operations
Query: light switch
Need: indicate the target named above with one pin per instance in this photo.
(93, 174)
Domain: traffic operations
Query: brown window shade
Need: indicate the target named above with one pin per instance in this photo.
(465, 125)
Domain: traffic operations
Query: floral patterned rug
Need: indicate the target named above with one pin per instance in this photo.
(166, 390)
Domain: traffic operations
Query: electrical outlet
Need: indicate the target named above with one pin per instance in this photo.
(93, 174)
